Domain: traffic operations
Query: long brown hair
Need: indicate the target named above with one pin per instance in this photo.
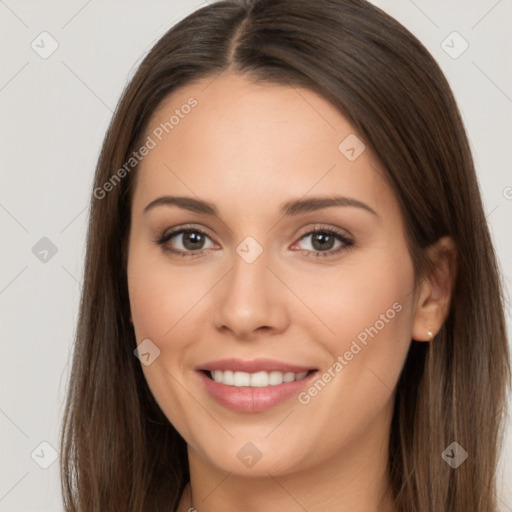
(118, 450)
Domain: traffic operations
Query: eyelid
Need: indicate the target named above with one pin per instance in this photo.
(344, 233)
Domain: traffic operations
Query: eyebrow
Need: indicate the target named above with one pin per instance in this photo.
(289, 208)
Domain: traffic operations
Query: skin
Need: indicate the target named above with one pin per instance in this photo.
(248, 148)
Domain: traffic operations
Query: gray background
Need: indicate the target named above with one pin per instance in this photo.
(55, 111)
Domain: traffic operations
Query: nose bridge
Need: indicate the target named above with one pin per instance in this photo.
(248, 298)
(247, 289)
(249, 274)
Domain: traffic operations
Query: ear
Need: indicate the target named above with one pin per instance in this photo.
(435, 292)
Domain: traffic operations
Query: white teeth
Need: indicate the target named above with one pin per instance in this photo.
(259, 379)
(275, 378)
(228, 378)
(255, 380)
(241, 379)
(289, 377)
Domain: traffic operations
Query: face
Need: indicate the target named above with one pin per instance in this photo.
(301, 310)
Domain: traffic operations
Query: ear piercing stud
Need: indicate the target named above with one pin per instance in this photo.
(430, 334)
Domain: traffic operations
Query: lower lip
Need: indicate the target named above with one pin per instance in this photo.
(249, 399)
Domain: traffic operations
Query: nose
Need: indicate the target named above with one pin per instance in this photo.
(251, 300)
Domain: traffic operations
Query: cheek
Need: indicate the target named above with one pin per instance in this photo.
(368, 307)
(159, 300)
(365, 292)
(160, 294)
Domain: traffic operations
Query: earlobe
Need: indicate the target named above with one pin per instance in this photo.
(434, 297)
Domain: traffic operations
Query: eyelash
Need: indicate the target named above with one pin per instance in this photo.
(347, 243)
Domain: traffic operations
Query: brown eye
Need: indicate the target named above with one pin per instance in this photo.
(325, 242)
(322, 241)
(185, 241)
(192, 240)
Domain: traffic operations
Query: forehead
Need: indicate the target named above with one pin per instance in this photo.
(255, 142)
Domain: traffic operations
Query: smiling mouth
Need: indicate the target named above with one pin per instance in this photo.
(255, 380)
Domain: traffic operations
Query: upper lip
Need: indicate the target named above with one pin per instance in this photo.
(253, 366)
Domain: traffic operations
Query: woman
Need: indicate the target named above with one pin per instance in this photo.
(291, 300)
